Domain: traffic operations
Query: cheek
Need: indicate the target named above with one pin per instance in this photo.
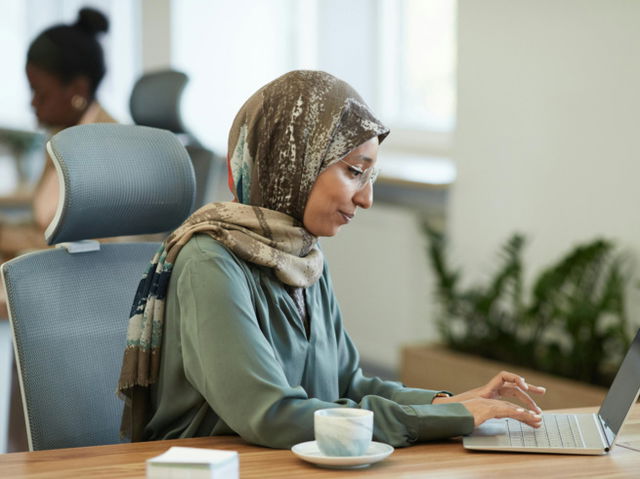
(55, 110)
(311, 214)
(46, 112)
(321, 217)
(328, 196)
(321, 206)
(315, 213)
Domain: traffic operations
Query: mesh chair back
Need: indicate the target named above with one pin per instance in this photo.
(119, 180)
(69, 318)
(69, 307)
(155, 101)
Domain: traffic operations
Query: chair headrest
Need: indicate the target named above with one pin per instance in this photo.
(155, 100)
(118, 180)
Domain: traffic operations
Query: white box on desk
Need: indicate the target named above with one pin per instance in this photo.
(194, 463)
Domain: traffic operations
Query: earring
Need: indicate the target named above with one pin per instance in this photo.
(78, 102)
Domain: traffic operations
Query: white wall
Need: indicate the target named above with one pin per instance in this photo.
(229, 50)
(548, 131)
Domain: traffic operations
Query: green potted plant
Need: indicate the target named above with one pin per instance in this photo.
(572, 323)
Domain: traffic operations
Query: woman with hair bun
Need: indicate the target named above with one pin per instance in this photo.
(65, 65)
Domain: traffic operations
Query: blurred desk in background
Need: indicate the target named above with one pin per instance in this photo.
(17, 199)
(16, 206)
(22, 158)
(420, 183)
(415, 170)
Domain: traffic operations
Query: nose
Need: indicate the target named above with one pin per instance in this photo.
(363, 198)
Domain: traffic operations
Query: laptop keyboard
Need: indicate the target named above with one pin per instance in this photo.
(556, 431)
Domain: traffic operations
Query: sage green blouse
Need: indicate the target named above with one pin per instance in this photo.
(236, 360)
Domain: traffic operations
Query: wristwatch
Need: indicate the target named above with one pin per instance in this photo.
(441, 395)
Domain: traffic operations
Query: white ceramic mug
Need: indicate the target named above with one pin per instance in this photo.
(343, 431)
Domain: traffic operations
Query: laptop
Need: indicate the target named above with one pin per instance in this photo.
(593, 433)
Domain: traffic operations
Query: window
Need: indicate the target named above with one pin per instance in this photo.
(417, 66)
(229, 50)
(399, 54)
(416, 92)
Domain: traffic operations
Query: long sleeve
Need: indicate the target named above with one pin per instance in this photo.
(229, 361)
(238, 340)
(403, 416)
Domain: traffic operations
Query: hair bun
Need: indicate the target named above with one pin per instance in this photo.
(92, 21)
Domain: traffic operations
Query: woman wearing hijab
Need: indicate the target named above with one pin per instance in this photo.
(65, 65)
(236, 329)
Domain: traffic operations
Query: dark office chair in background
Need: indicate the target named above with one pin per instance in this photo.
(69, 306)
(155, 101)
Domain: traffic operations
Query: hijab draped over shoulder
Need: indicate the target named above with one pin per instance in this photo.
(283, 137)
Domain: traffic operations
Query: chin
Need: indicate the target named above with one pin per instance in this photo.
(325, 232)
(43, 123)
(333, 231)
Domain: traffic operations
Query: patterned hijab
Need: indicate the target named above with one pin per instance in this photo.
(282, 138)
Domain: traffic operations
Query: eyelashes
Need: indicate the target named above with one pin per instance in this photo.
(355, 171)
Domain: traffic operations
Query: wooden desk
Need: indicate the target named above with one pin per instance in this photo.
(21, 198)
(442, 459)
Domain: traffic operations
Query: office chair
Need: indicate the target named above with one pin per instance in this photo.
(69, 306)
(155, 101)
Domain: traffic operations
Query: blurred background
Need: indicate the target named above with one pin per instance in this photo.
(505, 116)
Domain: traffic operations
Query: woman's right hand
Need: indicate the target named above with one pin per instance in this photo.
(485, 402)
(483, 409)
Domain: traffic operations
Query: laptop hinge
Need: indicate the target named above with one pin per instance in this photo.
(83, 246)
(602, 429)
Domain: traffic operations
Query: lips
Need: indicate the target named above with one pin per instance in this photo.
(347, 216)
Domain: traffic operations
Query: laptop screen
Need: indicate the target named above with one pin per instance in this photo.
(623, 392)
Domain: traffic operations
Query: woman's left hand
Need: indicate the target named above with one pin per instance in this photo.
(504, 385)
